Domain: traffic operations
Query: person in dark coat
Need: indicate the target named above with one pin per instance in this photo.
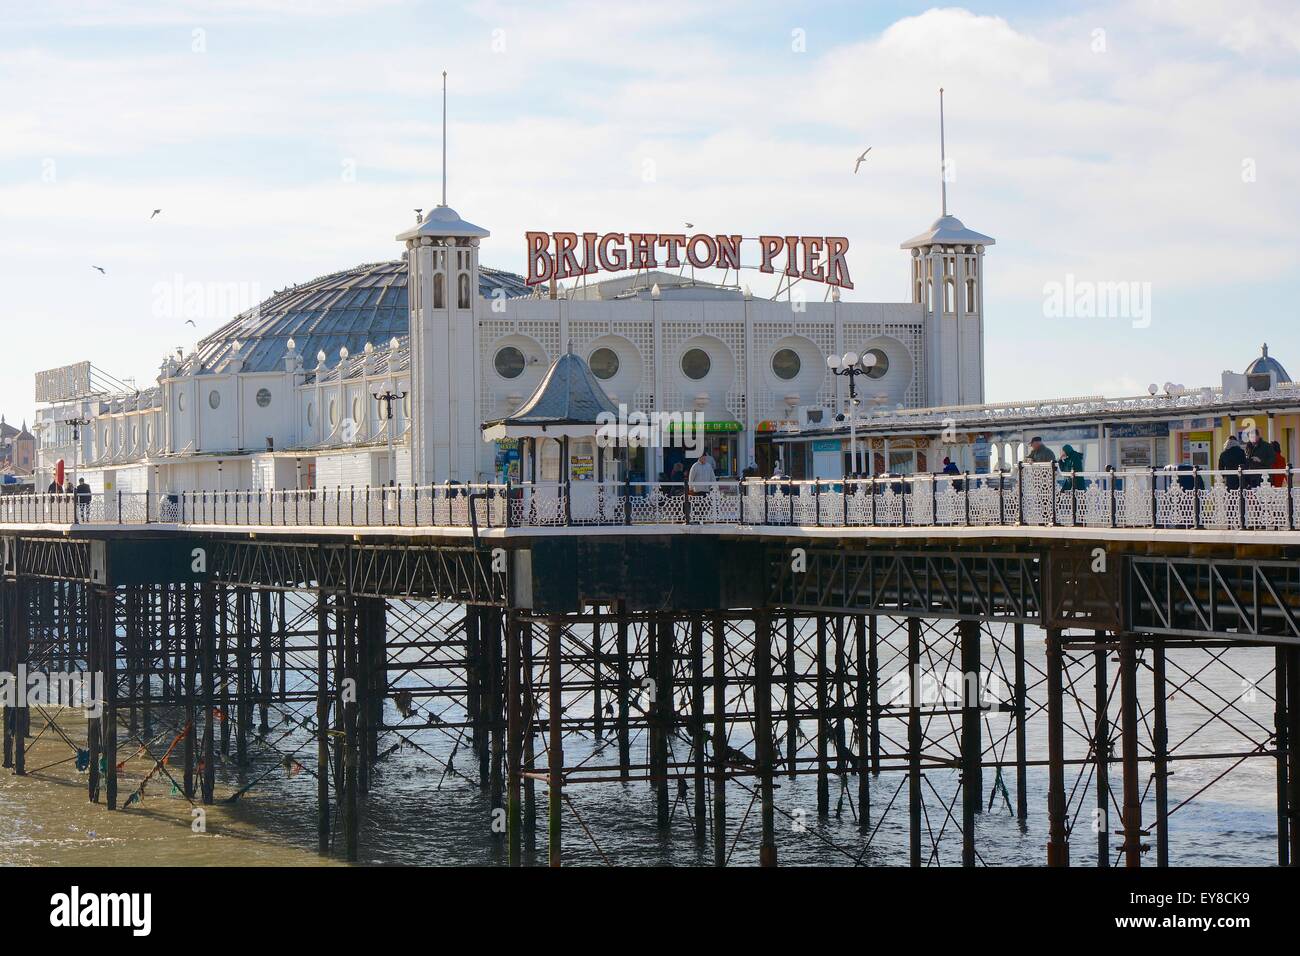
(1260, 454)
(1071, 462)
(83, 498)
(1232, 457)
(1040, 453)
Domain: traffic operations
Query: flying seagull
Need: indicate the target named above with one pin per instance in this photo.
(860, 159)
(100, 268)
(190, 322)
(690, 225)
(155, 212)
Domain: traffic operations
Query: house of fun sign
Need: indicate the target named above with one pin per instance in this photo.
(566, 255)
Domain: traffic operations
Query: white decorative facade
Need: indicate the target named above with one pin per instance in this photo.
(285, 396)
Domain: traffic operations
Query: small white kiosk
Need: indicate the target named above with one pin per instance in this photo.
(557, 431)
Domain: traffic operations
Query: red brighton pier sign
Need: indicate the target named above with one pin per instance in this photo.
(566, 255)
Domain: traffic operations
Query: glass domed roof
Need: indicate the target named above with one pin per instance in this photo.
(366, 304)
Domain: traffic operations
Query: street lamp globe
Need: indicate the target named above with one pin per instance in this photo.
(833, 362)
(850, 359)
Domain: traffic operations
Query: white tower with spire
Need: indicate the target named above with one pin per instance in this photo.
(442, 288)
(948, 280)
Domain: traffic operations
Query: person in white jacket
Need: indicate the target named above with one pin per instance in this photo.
(701, 476)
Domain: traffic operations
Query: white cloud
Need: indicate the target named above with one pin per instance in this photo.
(1122, 165)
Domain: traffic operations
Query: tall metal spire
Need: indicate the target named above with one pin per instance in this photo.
(444, 137)
(943, 156)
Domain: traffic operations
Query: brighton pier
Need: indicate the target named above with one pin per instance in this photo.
(421, 534)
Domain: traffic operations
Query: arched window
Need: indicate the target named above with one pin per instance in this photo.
(949, 296)
(439, 291)
(462, 291)
(970, 295)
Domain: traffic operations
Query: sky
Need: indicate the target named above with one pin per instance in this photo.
(1143, 146)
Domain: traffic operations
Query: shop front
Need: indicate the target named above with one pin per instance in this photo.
(1139, 445)
(721, 439)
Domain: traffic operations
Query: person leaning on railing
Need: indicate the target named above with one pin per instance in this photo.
(1259, 456)
(1071, 465)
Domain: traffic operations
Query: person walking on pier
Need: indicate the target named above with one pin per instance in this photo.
(701, 476)
(83, 499)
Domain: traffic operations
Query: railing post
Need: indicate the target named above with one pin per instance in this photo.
(965, 488)
(1051, 493)
(1111, 470)
(1241, 495)
(1153, 496)
(1074, 497)
(1002, 505)
(902, 487)
(119, 505)
(686, 502)
(509, 520)
(765, 491)
(415, 503)
(1020, 490)
(568, 502)
(873, 501)
(1196, 496)
(1290, 505)
(817, 502)
(934, 500)
(627, 499)
(146, 506)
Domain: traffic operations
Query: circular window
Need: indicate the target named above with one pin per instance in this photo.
(356, 410)
(214, 399)
(263, 397)
(334, 413)
(406, 405)
(148, 434)
(180, 401)
(311, 414)
(135, 434)
(604, 363)
(509, 362)
(696, 364)
(882, 364)
(785, 363)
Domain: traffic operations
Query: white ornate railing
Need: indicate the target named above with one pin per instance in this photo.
(1031, 494)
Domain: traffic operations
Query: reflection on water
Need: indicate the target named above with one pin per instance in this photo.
(419, 813)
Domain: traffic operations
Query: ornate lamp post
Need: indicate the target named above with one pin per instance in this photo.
(386, 397)
(851, 365)
(76, 424)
